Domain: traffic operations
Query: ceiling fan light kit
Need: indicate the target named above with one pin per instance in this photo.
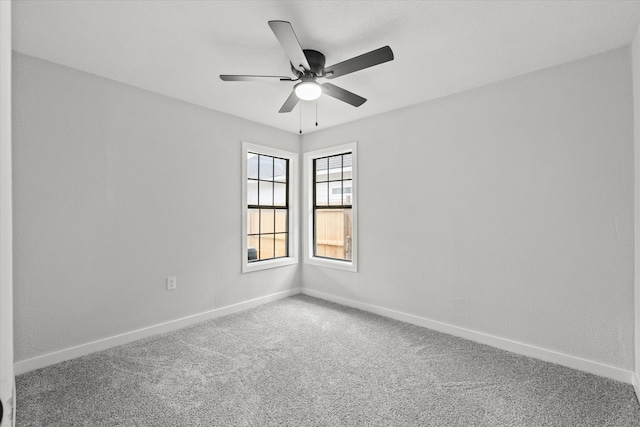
(308, 91)
(308, 65)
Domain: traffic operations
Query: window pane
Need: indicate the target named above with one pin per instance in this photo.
(347, 189)
(281, 244)
(334, 229)
(266, 193)
(266, 168)
(252, 165)
(266, 221)
(335, 193)
(266, 246)
(252, 192)
(321, 169)
(281, 221)
(280, 194)
(253, 218)
(347, 160)
(252, 247)
(335, 168)
(322, 196)
(280, 170)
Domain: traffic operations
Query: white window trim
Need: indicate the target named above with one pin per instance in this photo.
(308, 203)
(292, 257)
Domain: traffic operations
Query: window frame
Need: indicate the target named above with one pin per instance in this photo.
(309, 182)
(292, 210)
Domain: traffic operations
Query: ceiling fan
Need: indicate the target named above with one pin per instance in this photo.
(308, 65)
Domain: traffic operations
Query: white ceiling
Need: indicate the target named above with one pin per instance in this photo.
(179, 48)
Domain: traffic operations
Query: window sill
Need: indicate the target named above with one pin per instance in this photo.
(330, 263)
(265, 265)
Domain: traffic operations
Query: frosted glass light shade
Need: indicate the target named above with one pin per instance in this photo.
(308, 91)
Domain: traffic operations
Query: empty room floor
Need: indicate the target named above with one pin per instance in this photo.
(302, 361)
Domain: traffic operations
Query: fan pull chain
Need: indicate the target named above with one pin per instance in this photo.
(316, 114)
(301, 118)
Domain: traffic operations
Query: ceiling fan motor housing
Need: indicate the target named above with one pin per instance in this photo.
(316, 61)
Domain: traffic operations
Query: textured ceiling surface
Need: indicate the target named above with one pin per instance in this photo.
(179, 48)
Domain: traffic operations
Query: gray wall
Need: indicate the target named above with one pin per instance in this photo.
(507, 210)
(115, 189)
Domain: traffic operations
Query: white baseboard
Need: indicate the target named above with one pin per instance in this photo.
(494, 341)
(596, 368)
(116, 340)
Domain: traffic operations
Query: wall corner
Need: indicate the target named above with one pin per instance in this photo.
(7, 377)
(635, 62)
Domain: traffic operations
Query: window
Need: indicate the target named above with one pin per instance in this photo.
(267, 207)
(268, 198)
(331, 187)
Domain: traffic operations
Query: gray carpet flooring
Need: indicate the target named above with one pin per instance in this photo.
(306, 362)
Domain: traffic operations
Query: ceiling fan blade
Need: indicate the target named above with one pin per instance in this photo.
(239, 78)
(343, 95)
(287, 38)
(289, 104)
(361, 62)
